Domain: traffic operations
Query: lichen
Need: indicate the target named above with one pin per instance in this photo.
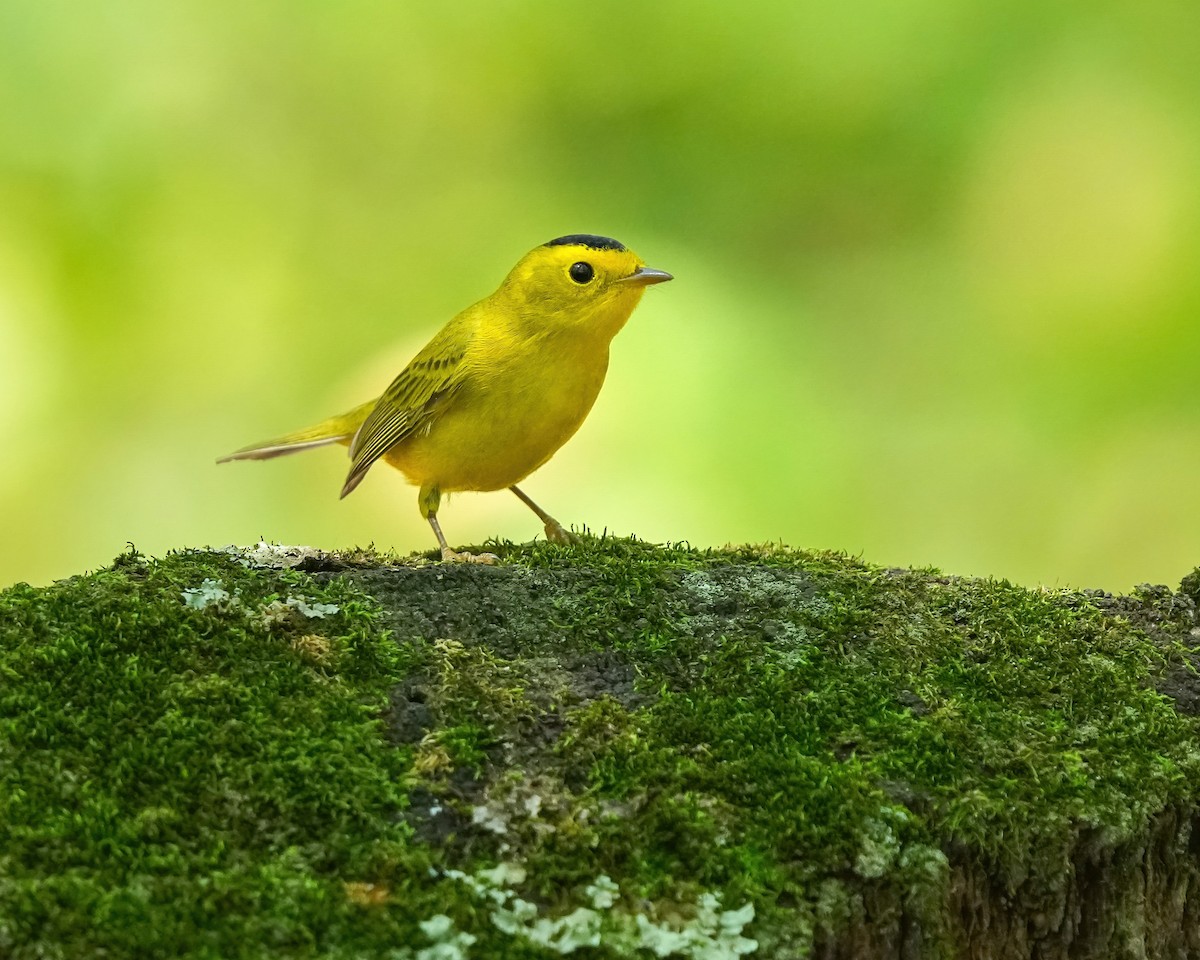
(706, 932)
(210, 593)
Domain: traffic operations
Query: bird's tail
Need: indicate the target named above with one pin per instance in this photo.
(339, 429)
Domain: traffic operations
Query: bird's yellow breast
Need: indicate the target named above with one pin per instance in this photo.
(522, 397)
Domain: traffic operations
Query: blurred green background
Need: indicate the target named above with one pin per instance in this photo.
(936, 297)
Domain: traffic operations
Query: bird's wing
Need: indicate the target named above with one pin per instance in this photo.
(411, 402)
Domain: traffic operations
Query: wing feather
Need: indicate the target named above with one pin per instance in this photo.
(411, 403)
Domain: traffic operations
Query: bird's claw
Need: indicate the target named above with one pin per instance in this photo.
(557, 533)
(454, 556)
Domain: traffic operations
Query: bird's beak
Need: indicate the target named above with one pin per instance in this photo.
(644, 276)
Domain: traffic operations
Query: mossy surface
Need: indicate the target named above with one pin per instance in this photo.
(614, 748)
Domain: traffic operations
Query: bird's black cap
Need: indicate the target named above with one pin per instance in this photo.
(587, 240)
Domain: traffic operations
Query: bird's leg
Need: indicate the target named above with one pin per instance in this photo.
(456, 556)
(555, 531)
(428, 499)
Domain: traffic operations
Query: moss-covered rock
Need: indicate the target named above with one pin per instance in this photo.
(613, 749)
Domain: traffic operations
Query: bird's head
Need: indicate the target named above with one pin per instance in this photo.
(582, 280)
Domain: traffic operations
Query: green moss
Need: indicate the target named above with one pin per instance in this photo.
(198, 757)
(181, 779)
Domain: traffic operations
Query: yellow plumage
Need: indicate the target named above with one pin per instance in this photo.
(501, 387)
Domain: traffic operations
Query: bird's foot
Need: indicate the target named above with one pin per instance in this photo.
(454, 556)
(557, 533)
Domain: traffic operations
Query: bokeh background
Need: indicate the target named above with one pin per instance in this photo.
(937, 290)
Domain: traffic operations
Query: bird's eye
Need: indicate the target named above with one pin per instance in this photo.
(581, 272)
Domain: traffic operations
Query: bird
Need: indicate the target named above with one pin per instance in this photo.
(499, 389)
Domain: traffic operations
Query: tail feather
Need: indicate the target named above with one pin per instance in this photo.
(339, 429)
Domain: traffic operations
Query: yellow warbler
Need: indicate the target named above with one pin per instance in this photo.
(500, 388)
